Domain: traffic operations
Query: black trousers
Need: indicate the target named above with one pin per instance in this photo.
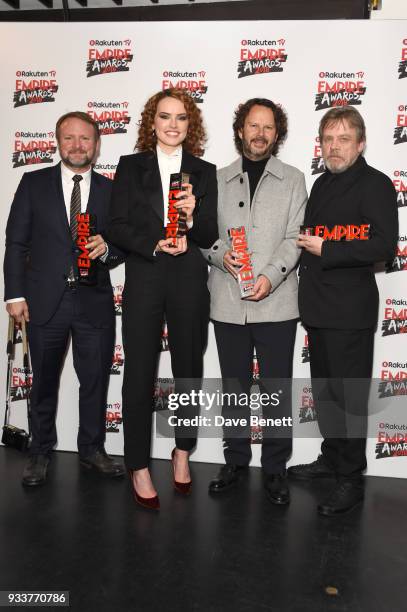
(274, 344)
(92, 350)
(177, 292)
(341, 369)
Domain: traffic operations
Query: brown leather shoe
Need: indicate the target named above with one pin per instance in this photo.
(35, 471)
(103, 464)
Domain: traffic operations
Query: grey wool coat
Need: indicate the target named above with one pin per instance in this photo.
(272, 225)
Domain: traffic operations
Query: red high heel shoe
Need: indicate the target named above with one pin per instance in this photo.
(181, 487)
(151, 503)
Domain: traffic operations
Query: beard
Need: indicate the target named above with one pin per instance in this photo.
(339, 164)
(77, 163)
(256, 153)
(337, 169)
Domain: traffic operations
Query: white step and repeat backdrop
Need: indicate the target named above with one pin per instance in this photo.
(110, 70)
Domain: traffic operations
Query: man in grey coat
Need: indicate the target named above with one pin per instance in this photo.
(267, 198)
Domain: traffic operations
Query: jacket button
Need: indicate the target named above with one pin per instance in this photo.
(283, 269)
(305, 267)
(215, 247)
(210, 258)
(241, 204)
(241, 180)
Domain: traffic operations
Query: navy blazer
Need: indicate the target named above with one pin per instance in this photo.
(40, 251)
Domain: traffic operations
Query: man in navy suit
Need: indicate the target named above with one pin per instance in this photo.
(41, 286)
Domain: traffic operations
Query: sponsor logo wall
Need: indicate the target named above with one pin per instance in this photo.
(301, 70)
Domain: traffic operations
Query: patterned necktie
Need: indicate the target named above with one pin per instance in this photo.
(74, 210)
(75, 205)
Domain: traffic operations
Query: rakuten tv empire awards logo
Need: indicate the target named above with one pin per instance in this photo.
(193, 82)
(107, 170)
(305, 350)
(317, 164)
(403, 63)
(111, 117)
(339, 89)
(21, 383)
(118, 299)
(107, 56)
(33, 148)
(163, 387)
(391, 444)
(34, 87)
(393, 379)
(118, 360)
(261, 57)
(307, 412)
(400, 185)
(395, 317)
(400, 131)
(113, 417)
(399, 263)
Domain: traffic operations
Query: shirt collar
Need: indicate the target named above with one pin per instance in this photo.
(67, 174)
(175, 154)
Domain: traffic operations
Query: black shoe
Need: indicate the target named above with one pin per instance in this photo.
(346, 495)
(35, 471)
(227, 477)
(309, 471)
(276, 486)
(102, 463)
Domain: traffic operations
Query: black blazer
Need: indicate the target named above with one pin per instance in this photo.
(136, 220)
(40, 250)
(338, 290)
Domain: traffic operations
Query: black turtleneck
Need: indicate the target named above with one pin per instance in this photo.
(254, 170)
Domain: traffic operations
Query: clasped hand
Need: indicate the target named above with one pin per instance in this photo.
(312, 244)
(96, 246)
(187, 203)
(262, 286)
(168, 246)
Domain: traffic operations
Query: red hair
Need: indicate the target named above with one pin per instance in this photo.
(196, 135)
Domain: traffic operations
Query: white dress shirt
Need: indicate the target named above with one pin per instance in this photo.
(67, 187)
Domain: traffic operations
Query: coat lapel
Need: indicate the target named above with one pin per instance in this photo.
(191, 165)
(94, 194)
(151, 179)
(151, 182)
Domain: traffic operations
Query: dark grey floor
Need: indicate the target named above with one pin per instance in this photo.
(233, 553)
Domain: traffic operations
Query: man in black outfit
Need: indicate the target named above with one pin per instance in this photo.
(41, 286)
(352, 212)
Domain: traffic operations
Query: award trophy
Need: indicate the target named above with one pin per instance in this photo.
(245, 276)
(87, 268)
(176, 217)
(338, 233)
